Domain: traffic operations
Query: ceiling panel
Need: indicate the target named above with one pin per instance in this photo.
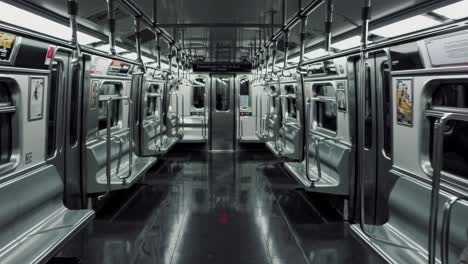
(346, 17)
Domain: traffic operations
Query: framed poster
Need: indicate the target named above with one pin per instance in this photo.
(341, 101)
(9, 45)
(404, 101)
(93, 94)
(36, 98)
(244, 102)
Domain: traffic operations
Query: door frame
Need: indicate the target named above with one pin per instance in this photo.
(213, 112)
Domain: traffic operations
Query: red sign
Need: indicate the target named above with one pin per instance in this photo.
(50, 55)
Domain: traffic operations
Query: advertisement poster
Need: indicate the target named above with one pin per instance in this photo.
(93, 94)
(36, 98)
(244, 101)
(404, 101)
(7, 43)
(341, 97)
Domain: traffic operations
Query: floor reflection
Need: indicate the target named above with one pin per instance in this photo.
(214, 208)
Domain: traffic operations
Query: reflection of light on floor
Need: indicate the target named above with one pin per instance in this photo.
(261, 218)
(176, 235)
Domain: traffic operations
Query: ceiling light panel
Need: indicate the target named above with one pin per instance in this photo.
(405, 26)
(457, 10)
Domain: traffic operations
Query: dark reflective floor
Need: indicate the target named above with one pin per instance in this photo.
(215, 208)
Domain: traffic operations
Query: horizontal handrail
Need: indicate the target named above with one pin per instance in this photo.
(153, 95)
(7, 109)
(439, 111)
(323, 99)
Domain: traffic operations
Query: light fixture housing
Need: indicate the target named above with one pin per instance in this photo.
(25, 19)
(454, 11)
(405, 26)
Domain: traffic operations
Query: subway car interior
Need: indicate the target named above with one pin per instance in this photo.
(233, 131)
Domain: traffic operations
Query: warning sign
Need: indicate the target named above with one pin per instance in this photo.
(7, 42)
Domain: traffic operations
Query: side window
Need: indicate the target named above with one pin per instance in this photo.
(456, 133)
(198, 94)
(7, 110)
(244, 92)
(152, 102)
(223, 94)
(325, 111)
(109, 90)
(291, 103)
(54, 93)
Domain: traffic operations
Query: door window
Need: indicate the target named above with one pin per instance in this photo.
(152, 102)
(244, 94)
(291, 102)
(223, 94)
(110, 90)
(325, 113)
(198, 94)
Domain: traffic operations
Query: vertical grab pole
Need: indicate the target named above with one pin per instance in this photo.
(361, 107)
(283, 99)
(178, 63)
(108, 151)
(283, 13)
(158, 35)
(205, 113)
(183, 112)
(119, 161)
(328, 25)
(261, 117)
(73, 13)
(273, 62)
(286, 46)
(267, 60)
(170, 55)
(273, 52)
(161, 122)
(137, 21)
(158, 48)
(256, 114)
(177, 113)
(130, 138)
(155, 13)
(302, 47)
(238, 116)
(307, 138)
(278, 125)
(111, 22)
(437, 154)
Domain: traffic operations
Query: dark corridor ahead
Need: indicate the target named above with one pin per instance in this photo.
(221, 208)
